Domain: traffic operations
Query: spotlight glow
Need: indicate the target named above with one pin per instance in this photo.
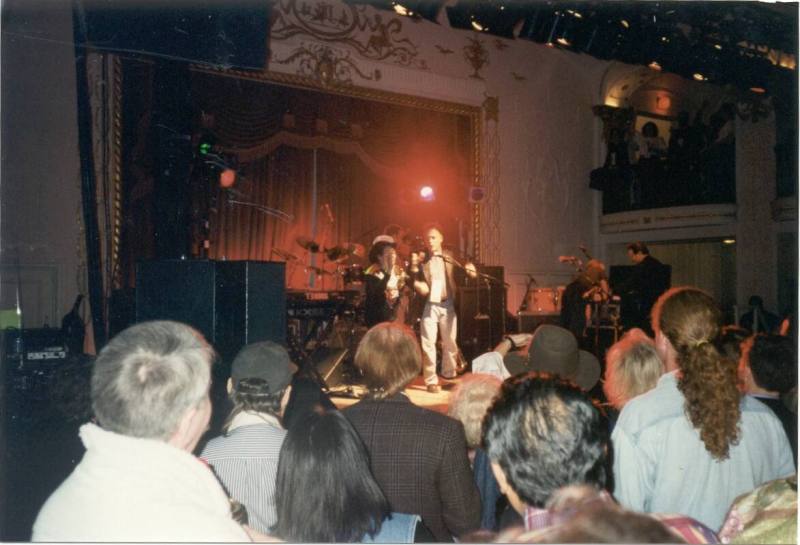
(400, 9)
(426, 192)
(729, 241)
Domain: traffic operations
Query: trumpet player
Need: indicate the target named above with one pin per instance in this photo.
(384, 282)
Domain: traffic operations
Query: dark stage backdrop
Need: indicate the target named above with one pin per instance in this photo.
(337, 168)
(364, 160)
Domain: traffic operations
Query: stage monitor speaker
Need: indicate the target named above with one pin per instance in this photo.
(232, 303)
(482, 313)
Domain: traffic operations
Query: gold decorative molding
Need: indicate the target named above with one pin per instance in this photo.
(369, 35)
(477, 56)
(491, 108)
(669, 218)
(327, 66)
(116, 170)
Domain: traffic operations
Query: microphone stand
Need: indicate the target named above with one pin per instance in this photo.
(489, 279)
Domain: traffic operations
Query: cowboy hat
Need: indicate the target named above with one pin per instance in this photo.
(554, 350)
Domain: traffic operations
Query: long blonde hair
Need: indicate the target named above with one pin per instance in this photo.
(690, 320)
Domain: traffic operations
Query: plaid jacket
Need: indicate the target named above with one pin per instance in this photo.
(419, 458)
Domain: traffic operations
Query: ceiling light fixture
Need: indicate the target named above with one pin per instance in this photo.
(729, 241)
(477, 26)
(699, 77)
(655, 66)
(718, 47)
(758, 90)
(400, 9)
(563, 41)
(625, 23)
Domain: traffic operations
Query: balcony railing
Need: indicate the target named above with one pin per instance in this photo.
(661, 183)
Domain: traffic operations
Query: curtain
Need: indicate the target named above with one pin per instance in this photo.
(336, 169)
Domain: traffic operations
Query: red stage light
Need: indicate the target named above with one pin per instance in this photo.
(227, 178)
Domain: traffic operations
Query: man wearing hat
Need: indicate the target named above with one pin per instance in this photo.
(554, 350)
(245, 457)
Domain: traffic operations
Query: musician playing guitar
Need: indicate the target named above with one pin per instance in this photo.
(385, 281)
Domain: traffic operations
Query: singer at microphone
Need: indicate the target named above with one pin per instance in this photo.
(435, 281)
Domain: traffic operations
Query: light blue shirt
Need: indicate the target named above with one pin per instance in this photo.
(662, 466)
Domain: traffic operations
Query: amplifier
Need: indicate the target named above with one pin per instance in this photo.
(530, 321)
(44, 346)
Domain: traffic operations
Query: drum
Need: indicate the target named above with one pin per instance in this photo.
(545, 300)
(353, 274)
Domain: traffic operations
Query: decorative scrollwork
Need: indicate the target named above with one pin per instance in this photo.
(477, 56)
(371, 36)
(325, 65)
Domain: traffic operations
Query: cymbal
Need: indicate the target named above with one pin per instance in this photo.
(337, 253)
(284, 254)
(307, 244)
(356, 249)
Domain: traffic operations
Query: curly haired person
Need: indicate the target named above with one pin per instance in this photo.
(694, 443)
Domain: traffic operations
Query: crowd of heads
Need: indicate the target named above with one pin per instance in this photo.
(543, 434)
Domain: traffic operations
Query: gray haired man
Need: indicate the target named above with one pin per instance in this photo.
(138, 480)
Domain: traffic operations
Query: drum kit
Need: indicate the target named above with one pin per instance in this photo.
(347, 260)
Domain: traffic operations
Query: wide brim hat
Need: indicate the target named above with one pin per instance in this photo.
(555, 350)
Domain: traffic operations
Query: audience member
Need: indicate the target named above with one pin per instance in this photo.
(326, 492)
(307, 394)
(468, 404)
(730, 342)
(768, 370)
(599, 522)
(245, 458)
(768, 514)
(757, 319)
(419, 457)
(138, 480)
(543, 433)
(555, 350)
(632, 368)
(694, 443)
(649, 144)
(492, 363)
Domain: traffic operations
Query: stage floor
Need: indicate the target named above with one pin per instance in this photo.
(416, 391)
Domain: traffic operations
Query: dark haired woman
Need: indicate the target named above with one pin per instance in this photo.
(384, 282)
(693, 443)
(326, 492)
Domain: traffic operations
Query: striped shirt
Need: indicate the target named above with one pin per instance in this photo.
(246, 462)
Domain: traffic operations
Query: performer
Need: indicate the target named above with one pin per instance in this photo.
(436, 282)
(589, 287)
(649, 279)
(384, 282)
